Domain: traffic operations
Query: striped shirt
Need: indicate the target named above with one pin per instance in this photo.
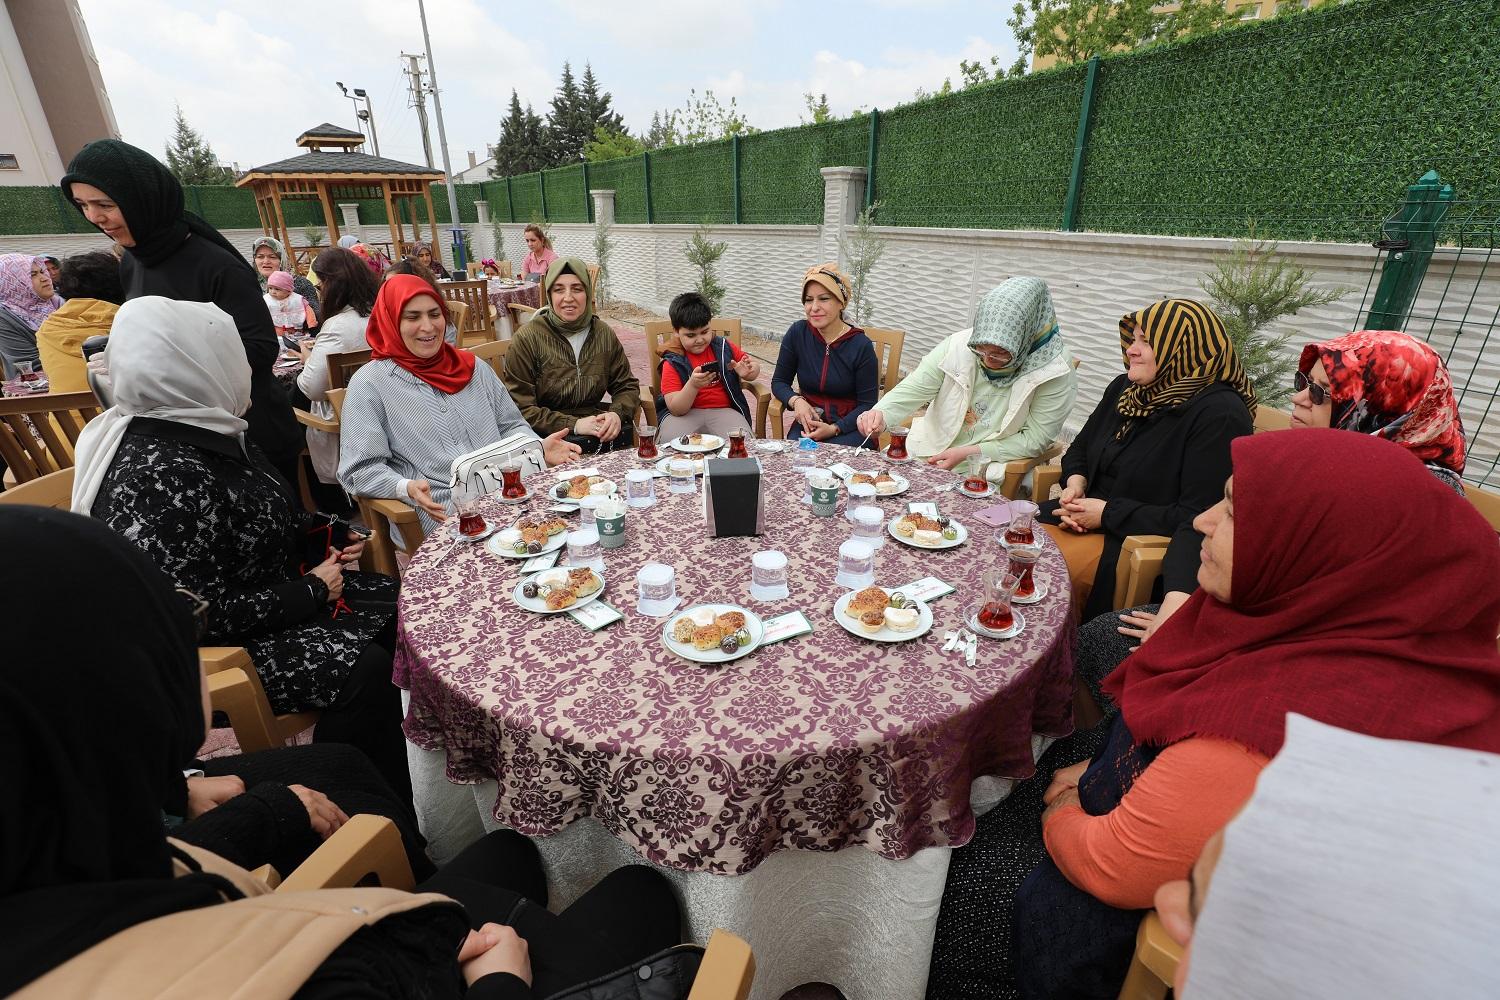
(395, 428)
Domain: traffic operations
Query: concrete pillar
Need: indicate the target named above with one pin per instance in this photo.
(349, 210)
(843, 198)
(483, 208)
(604, 206)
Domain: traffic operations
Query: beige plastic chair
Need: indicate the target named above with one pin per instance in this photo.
(888, 347)
(54, 490)
(1154, 965)
(660, 335)
(38, 433)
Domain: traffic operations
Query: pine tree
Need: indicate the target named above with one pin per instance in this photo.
(595, 106)
(663, 130)
(567, 130)
(522, 145)
(190, 158)
(538, 151)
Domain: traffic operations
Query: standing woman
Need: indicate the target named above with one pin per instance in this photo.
(564, 360)
(129, 196)
(26, 299)
(1154, 454)
(838, 377)
(538, 261)
(269, 256)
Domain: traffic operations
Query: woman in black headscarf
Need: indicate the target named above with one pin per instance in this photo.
(98, 721)
(129, 196)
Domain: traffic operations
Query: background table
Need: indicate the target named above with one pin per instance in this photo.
(501, 296)
(612, 747)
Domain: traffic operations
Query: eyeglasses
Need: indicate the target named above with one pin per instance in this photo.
(1318, 394)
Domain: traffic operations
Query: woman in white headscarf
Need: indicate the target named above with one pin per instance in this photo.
(1360, 867)
(169, 467)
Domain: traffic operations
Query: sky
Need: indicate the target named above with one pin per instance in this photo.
(251, 77)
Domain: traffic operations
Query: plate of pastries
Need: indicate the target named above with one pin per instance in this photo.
(923, 532)
(697, 442)
(882, 614)
(713, 633)
(577, 487)
(886, 485)
(555, 590)
(532, 535)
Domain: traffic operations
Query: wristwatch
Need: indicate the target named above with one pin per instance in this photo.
(318, 587)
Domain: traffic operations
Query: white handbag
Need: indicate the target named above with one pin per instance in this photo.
(479, 470)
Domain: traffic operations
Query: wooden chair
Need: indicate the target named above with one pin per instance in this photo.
(366, 850)
(1267, 419)
(38, 433)
(660, 335)
(478, 322)
(1485, 502)
(888, 347)
(54, 490)
(1154, 965)
(520, 313)
(341, 367)
(234, 688)
(493, 354)
(379, 514)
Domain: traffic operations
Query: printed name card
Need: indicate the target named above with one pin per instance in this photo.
(929, 588)
(926, 508)
(787, 626)
(544, 561)
(595, 615)
(841, 470)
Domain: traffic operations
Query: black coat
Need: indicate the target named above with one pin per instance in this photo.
(200, 270)
(1170, 468)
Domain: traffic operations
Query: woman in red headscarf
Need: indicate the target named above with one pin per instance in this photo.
(420, 403)
(1322, 591)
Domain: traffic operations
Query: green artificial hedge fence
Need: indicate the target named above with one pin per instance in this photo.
(693, 184)
(780, 183)
(627, 178)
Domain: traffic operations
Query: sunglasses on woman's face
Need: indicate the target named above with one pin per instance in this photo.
(1317, 394)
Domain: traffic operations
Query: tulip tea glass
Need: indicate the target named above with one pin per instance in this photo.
(897, 450)
(645, 442)
(995, 613)
(737, 447)
(510, 478)
(1022, 529)
(975, 482)
(1022, 566)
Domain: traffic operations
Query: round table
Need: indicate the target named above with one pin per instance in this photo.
(526, 294)
(611, 749)
(818, 743)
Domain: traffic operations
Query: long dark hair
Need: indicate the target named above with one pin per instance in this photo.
(347, 281)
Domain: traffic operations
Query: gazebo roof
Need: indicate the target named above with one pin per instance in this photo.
(328, 130)
(337, 166)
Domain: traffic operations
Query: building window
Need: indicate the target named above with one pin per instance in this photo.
(8, 161)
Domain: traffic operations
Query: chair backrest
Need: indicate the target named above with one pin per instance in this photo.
(341, 367)
(458, 312)
(475, 295)
(507, 270)
(1486, 503)
(888, 344)
(336, 400)
(54, 490)
(37, 433)
(493, 354)
(1267, 419)
(660, 334)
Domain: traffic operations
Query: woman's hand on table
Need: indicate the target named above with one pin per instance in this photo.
(420, 491)
(1086, 513)
(322, 815)
(949, 458)
(331, 572)
(494, 948)
(870, 423)
(557, 451)
(204, 794)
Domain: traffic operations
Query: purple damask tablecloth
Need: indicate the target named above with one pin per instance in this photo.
(526, 294)
(820, 742)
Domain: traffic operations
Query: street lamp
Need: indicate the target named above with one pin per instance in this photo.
(365, 114)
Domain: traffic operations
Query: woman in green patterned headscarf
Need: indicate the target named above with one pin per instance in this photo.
(1000, 389)
(268, 256)
(564, 360)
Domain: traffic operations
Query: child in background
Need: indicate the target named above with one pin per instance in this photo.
(290, 312)
(701, 388)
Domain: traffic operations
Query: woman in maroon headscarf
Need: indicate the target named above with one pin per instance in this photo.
(420, 403)
(1323, 591)
(1388, 384)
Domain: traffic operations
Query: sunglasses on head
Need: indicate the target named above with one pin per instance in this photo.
(1316, 393)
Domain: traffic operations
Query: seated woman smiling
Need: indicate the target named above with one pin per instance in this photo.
(1297, 612)
(420, 403)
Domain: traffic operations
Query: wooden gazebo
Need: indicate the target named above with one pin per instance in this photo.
(344, 173)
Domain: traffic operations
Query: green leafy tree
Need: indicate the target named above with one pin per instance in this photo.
(607, 145)
(703, 253)
(314, 235)
(191, 159)
(862, 250)
(1072, 31)
(818, 111)
(706, 119)
(1253, 287)
(663, 130)
(522, 146)
(604, 248)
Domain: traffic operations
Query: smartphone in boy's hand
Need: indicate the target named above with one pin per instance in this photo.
(711, 368)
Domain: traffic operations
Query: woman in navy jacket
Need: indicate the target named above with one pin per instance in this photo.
(833, 363)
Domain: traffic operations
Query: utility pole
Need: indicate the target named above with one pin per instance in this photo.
(418, 94)
(460, 258)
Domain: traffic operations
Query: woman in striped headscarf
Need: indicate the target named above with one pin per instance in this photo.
(1000, 389)
(1154, 454)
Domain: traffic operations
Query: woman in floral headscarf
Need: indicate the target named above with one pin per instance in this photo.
(26, 298)
(1000, 389)
(1388, 384)
(421, 252)
(833, 364)
(268, 256)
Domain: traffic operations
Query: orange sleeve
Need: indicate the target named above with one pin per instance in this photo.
(1154, 835)
(670, 380)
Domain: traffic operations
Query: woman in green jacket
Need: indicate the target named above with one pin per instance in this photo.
(565, 359)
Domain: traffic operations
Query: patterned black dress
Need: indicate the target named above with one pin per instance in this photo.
(223, 526)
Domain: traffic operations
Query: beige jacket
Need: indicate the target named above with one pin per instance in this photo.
(264, 946)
